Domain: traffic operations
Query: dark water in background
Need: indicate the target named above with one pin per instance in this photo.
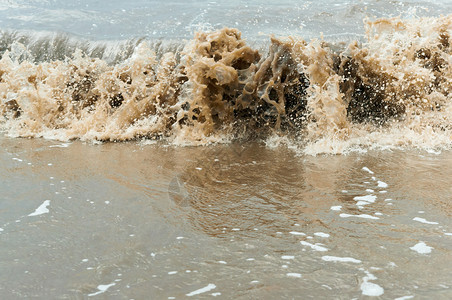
(247, 219)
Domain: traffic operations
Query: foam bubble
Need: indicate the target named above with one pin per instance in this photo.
(322, 234)
(102, 289)
(315, 247)
(367, 198)
(288, 257)
(297, 233)
(422, 248)
(370, 288)
(42, 209)
(205, 289)
(382, 184)
(367, 170)
(362, 216)
(422, 220)
(340, 259)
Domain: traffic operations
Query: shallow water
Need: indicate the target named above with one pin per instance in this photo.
(133, 221)
(256, 210)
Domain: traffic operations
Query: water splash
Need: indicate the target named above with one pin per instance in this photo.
(391, 91)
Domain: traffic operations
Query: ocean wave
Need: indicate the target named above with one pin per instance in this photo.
(393, 89)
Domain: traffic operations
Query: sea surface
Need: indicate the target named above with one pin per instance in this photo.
(226, 150)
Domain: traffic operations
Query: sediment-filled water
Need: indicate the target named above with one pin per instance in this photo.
(205, 149)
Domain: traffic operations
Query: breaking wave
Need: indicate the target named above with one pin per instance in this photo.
(391, 90)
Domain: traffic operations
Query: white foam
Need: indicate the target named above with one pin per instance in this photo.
(431, 151)
(337, 207)
(172, 272)
(287, 257)
(404, 298)
(363, 216)
(64, 145)
(370, 190)
(367, 198)
(42, 209)
(392, 264)
(369, 288)
(322, 234)
(447, 233)
(102, 289)
(297, 233)
(17, 159)
(222, 262)
(367, 170)
(341, 259)
(315, 247)
(207, 288)
(296, 275)
(382, 184)
(422, 220)
(422, 248)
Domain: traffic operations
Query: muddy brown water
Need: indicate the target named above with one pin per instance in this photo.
(237, 221)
